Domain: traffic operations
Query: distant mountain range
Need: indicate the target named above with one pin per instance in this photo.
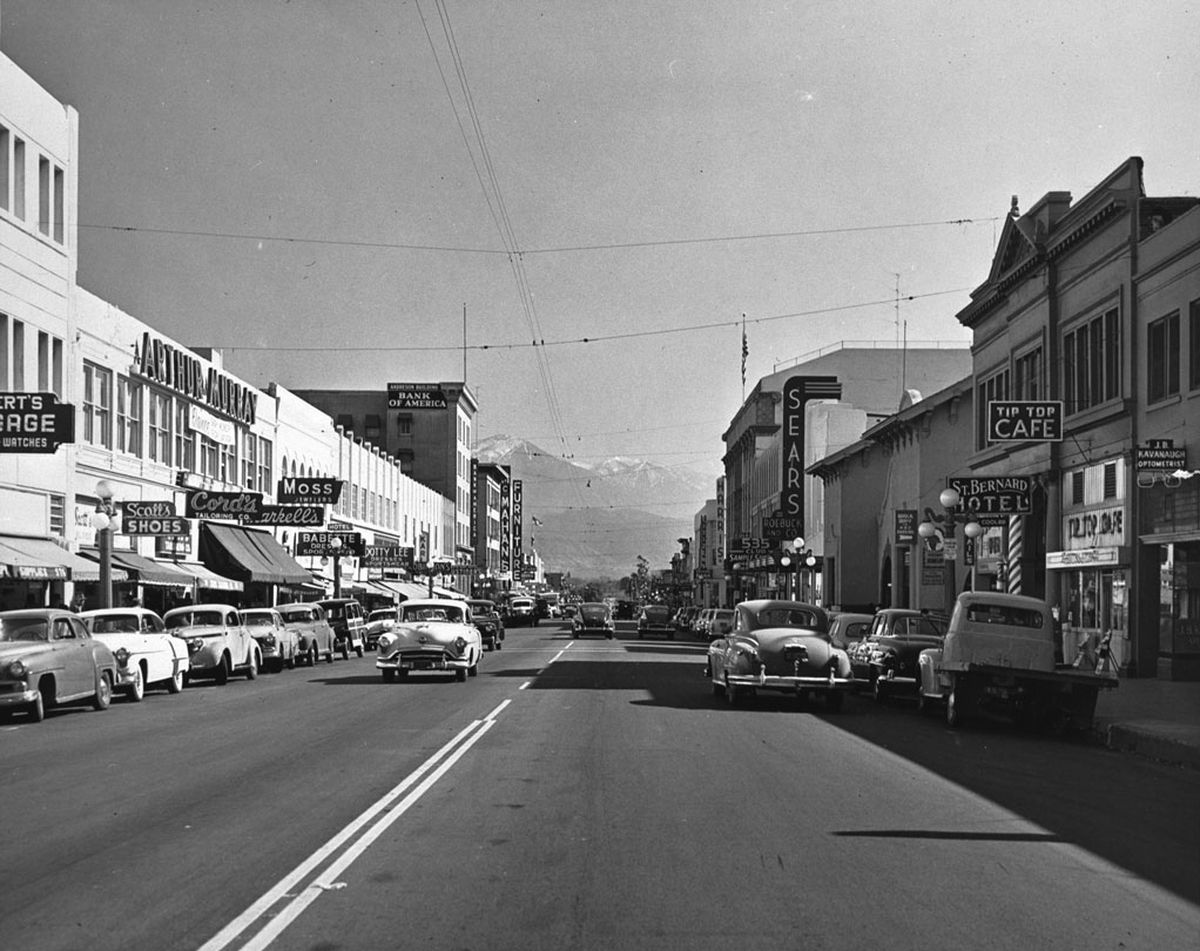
(595, 520)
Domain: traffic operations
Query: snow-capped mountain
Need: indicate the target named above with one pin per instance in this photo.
(596, 519)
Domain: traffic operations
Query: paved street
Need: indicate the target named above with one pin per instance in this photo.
(584, 794)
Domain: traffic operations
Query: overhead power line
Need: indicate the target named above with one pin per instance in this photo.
(560, 249)
(599, 338)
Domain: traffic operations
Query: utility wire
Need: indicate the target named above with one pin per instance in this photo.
(601, 338)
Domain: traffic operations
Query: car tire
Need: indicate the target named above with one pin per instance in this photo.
(389, 675)
(879, 689)
(717, 689)
(733, 693)
(346, 650)
(460, 674)
(291, 661)
(312, 657)
(102, 698)
(923, 703)
(136, 690)
(473, 670)
(221, 674)
(37, 709)
(176, 681)
(252, 667)
(359, 650)
(954, 716)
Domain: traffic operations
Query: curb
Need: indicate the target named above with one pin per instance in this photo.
(1155, 739)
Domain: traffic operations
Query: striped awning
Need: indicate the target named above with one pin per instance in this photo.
(42, 559)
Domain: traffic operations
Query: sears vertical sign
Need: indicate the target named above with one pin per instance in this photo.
(518, 552)
(798, 391)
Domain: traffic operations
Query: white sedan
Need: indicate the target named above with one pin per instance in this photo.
(146, 654)
(430, 635)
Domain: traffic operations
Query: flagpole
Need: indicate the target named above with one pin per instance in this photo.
(745, 353)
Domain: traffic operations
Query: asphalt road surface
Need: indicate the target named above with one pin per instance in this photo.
(586, 794)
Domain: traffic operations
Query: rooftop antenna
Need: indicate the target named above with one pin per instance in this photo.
(901, 347)
(464, 342)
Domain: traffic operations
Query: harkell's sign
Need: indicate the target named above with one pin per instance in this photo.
(35, 422)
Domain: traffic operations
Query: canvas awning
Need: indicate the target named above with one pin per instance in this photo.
(208, 579)
(249, 554)
(440, 592)
(143, 569)
(42, 559)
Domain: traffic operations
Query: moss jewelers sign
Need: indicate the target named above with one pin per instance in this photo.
(35, 422)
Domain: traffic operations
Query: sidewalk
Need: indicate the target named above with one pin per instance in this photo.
(1155, 718)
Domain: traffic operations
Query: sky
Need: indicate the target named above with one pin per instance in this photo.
(603, 193)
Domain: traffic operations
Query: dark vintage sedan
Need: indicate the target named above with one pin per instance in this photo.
(47, 657)
(486, 617)
(594, 617)
(654, 620)
(782, 646)
(887, 657)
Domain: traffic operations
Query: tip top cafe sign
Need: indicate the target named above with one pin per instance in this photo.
(35, 422)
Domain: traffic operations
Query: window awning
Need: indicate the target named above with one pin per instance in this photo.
(208, 579)
(249, 555)
(143, 569)
(440, 592)
(42, 559)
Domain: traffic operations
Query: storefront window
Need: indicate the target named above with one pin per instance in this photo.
(1179, 598)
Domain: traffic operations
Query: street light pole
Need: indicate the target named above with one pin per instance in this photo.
(429, 568)
(335, 545)
(106, 520)
(950, 499)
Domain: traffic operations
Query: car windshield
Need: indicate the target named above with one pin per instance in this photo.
(296, 614)
(656, 614)
(594, 612)
(24, 629)
(114, 624)
(194, 619)
(482, 607)
(335, 611)
(450, 612)
(384, 614)
(255, 619)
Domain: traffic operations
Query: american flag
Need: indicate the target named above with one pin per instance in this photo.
(745, 349)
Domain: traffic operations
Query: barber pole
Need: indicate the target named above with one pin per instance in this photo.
(1016, 546)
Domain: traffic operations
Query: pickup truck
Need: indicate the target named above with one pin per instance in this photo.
(998, 660)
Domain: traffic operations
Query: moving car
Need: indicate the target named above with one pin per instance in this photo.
(487, 619)
(594, 617)
(718, 623)
(218, 643)
(520, 610)
(654, 620)
(47, 657)
(887, 657)
(430, 635)
(998, 660)
(145, 653)
(378, 621)
(349, 623)
(312, 628)
(278, 643)
(782, 646)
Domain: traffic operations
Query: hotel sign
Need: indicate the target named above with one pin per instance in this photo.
(182, 371)
(990, 500)
(35, 422)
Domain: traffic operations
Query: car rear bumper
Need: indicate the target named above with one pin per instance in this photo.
(762, 681)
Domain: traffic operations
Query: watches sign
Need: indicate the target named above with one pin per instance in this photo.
(35, 422)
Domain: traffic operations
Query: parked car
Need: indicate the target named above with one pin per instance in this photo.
(145, 653)
(718, 624)
(349, 623)
(279, 643)
(218, 643)
(684, 616)
(781, 646)
(886, 659)
(847, 628)
(315, 636)
(487, 618)
(594, 617)
(654, 620)
(997, 660)
(570, 609)
(48, 658)
(378, 621)
(624, 610)
(700, 621)
(520, 610)
(431, 635)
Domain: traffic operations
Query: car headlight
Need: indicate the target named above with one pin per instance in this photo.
(460, 644)
(122, 656)
(269, 640)
(194, 644)
(17, 670)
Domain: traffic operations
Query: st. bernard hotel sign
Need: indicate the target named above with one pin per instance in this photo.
(181, 371)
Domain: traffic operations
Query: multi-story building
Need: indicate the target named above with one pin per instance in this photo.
(1077, 438)
(490, 535)
(872, 382)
